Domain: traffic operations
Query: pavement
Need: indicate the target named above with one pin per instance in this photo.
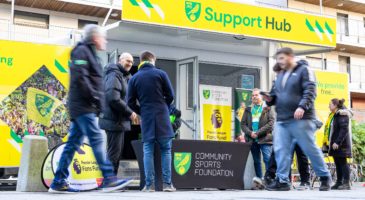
(358, 192)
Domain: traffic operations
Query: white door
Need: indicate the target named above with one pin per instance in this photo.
(187, 96)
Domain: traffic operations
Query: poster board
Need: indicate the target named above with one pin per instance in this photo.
(215, 112)
(45, 68)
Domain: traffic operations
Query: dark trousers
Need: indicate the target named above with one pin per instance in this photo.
(115, 142)
(256, 151)
(342, 169)
(303, 165)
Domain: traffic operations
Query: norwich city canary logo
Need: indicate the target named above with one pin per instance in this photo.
(182, 162)
(206, 94)
(244, 96)
(43, 104)
(192, 10)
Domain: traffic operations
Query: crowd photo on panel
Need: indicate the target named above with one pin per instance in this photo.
(279, 125)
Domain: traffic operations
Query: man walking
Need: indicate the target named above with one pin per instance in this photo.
(293, 94)
(84, 104)
(303, 167)
(152, 88)
(116, 117)
(257, 124)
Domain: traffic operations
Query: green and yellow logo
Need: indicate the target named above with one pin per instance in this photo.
(244, 96)
(320, 30)
(192, 10)
(182, 162)
(44, 104)
(146, 7)
(206, 94)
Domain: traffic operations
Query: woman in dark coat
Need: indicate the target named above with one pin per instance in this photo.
(340, 142)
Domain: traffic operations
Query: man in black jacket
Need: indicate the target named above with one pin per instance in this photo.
(84, 104)
(293, 95)
(116, 117)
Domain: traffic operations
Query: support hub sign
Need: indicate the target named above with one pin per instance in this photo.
(234, 18)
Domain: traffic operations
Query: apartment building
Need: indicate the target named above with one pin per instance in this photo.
(349, 55)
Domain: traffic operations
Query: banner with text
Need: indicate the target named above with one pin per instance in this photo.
(84, 170)
(215, 112)
(329, 85)
(234, 18)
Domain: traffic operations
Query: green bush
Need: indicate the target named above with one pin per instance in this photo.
(358, 146)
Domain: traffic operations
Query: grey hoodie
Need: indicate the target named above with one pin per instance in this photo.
(299, 91)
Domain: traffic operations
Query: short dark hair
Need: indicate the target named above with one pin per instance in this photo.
(276, 68)
(147, 56)
(286, 51)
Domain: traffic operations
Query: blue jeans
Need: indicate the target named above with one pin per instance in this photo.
(256, 150)
(85, 125)
(286, 134)
(148, 160)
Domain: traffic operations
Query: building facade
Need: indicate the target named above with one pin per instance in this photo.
(189, 57)
(349, 54)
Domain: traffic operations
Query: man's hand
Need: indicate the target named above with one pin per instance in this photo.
(299, 113)
(335, 146)
(253, 135)
(133, 116)
(240, 138)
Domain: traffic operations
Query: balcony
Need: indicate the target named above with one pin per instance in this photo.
(356, 74)
(28, 33)
(357, 77)
(351, 32)
(95, 8)
(115, 4)
(357, 6)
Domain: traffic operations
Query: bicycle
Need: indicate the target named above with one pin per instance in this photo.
(331, 167)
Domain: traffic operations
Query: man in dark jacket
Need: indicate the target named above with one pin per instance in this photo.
(293, 95)
(257, 124)
(116, 117)
(152, 88)
(84, 104)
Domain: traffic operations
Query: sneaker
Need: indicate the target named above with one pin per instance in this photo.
(63, 188)
(345, 186)
(150, 188)
(268, 181)
(111, 184)
(277, 186)
(325, 183)
(336, 185)
(168, 188)
(304, 186)
(257, 184)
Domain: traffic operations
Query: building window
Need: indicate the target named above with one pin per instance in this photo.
(343, 24)
(31, 19)
(344, 63)
(83, 22)
(316, 63)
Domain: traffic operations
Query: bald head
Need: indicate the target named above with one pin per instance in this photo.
(126, 60)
